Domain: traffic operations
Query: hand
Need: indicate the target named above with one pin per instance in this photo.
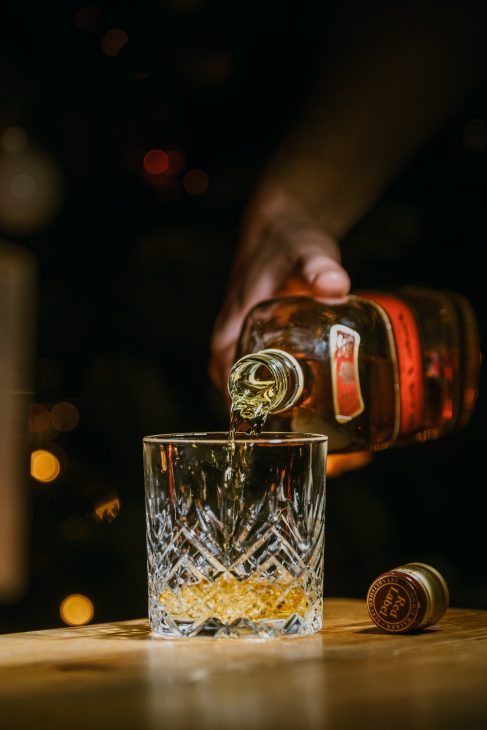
(282, 253)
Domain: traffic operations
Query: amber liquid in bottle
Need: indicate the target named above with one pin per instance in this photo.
(378, 370)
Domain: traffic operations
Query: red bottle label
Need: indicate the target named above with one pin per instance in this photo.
(347, 396)
(409, 359)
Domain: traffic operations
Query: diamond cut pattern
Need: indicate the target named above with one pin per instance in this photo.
(265, 579)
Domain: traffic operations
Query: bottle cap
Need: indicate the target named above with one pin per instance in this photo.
(407, 598)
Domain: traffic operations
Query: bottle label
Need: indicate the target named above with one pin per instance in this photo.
(347, 396)
(409, 359)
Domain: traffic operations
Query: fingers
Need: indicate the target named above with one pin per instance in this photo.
(319, 256)
(253, 287)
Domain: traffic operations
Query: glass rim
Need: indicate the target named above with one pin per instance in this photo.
(221, 437)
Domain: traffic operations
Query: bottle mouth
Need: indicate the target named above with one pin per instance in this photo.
(266, 375)
(286, 362)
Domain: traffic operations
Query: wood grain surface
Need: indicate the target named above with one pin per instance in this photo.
(350, 675)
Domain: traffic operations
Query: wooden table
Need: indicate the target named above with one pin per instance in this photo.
(351, 675)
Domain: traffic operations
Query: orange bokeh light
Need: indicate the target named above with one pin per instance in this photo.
(44, 466)
(156, 162)
(76, 610)
(107, 510)
(39, 418)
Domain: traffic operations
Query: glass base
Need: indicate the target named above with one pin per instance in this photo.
(166, 626)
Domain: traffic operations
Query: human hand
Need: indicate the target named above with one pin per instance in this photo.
(280, 253)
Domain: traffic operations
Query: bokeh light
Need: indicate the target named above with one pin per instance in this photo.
(64, 416)
(14, 139)
(44, 466)
(156, 162)
(103, 503)
(107, 510)
(76, 610)
(88, 19)
(113, 41)
(177, 162)
(30, 187)
(23, 187)
(196, 182)
(39, 418)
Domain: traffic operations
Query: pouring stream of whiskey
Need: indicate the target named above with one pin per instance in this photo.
(253, 395)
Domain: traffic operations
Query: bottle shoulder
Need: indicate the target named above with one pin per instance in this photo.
(303, 324)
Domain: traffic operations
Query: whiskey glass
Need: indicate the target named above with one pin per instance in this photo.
(235, 534)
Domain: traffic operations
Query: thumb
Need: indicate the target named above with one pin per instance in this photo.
(326, 276)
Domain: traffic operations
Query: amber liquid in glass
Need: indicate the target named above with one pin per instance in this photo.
(229, 599)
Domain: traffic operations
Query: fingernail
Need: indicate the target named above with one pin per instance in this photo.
(333, 281)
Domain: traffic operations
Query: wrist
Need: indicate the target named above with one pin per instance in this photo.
(275, 205)
(276, 215)
(303, 189)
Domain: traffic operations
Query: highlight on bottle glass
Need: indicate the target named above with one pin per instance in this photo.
(235, 534)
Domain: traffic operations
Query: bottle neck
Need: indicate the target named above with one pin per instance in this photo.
(271, 376)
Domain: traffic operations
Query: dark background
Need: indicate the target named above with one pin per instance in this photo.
(132, 269)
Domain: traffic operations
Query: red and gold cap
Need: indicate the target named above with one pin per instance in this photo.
(407, 598)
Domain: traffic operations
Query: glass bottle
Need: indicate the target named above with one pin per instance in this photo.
(382, 368)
